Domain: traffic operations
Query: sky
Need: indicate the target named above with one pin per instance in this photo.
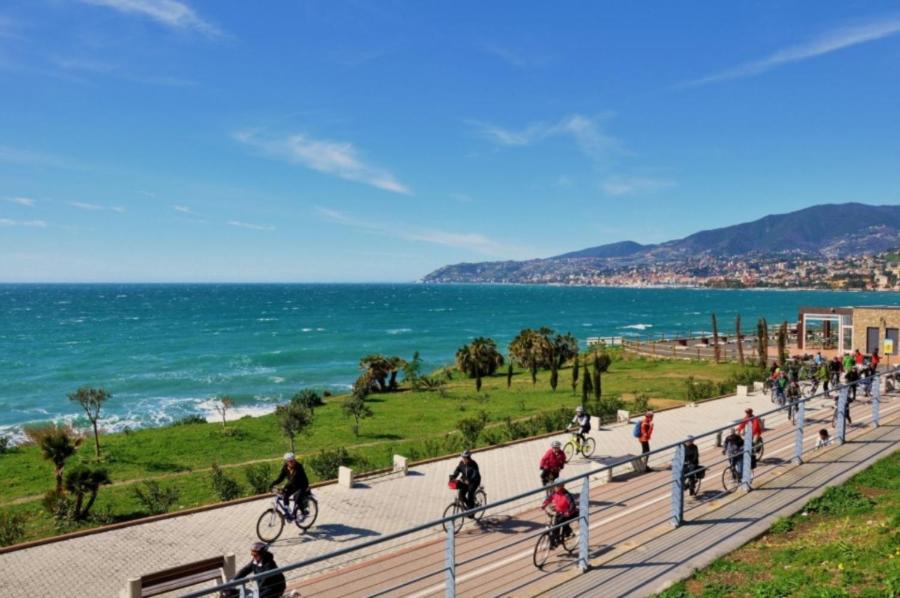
(230, 141)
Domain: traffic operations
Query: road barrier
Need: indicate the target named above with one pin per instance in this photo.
(441, 569)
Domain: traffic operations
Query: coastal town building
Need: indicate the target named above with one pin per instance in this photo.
(838, 330)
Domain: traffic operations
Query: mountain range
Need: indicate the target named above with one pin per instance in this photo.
(818, 232)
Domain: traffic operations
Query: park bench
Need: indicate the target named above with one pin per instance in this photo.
(218, 569)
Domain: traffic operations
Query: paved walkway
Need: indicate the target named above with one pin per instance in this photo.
(347, 516)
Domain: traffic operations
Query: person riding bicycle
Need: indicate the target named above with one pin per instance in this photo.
(756, 431)
(564, 509)
(583, 421)
(692, 464)
(733, 448)
(552, 463)
(823, 376)
(469, 479)
(297, 486)
(261, 561)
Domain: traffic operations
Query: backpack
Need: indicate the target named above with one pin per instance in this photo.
(637, 429)
(587, 428)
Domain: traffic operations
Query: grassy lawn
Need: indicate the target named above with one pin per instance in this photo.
(845, 543)
(416, 424)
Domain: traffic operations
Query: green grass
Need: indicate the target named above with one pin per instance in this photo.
(415, 424)
(844, 543)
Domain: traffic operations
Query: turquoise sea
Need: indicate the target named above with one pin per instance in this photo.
(164, 351)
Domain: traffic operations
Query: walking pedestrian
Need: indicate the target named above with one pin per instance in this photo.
(646, 433)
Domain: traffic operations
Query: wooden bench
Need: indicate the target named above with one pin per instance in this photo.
(219, 569)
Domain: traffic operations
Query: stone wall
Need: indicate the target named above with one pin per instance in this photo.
(874, 317)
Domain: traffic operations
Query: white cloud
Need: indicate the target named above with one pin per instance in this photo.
(585, 131)
(183, 209)
(6, 222)
(338, 158)
(22, 201)
(831, 41)
(176, 15)
(250, 226)
(623, 185)
(470, 241)
(92, 207)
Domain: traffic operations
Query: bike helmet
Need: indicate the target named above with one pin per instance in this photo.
(579, 409)
(259, 547)
(555, 444)
(466, 454)
(289, 456)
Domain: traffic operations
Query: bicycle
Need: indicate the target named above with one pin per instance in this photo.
(271, 523)
(552, 538)
(459, 506)
(731, 475)
(693, 480)
(759, 447)
(575, 445)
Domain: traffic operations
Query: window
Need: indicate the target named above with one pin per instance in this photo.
(821, 332)
(872, 336)
(848, 338)
(894, 335)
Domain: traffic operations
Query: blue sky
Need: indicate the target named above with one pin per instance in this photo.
(189, 140)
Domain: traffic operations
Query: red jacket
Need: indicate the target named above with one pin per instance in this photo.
(562, 503)
(553, 459)
(756, 426)
(646, 430)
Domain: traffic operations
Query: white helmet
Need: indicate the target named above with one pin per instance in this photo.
(555, 444)
(289, 457)
(579, 409)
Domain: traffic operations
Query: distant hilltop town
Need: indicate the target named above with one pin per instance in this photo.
(835, 246)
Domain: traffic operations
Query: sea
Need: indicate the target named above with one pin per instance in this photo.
(165, 351)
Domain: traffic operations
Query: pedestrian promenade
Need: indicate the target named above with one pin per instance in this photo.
(374, 507)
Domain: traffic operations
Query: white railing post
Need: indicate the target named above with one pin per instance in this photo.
(678, 486)
(747, 470)
(799, 418)
(876, 400)
(841, 434)
(584, 529)
(450, 560)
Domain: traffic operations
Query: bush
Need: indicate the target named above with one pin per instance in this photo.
(155, 499)
(308, 398)
(470, 428)
(432, 447)
(12, 528)
(641, 403)
(515, 430)
(5, 444)
(189, 420)
(493, 436)
(696, 390)
(59, 506)
(839, 501)
(259, 477)
(453, 443)
(325, 464)
(607, 407)
(226, 488)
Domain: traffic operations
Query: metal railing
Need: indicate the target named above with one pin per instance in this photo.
(448, 568)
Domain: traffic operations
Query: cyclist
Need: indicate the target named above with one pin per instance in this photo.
(823, 376)
(755, 426)
(552, 463)
(565, 509)
(261, 560)
(297, 486)
(469, 479)
(583, 421)
(733, 448)
(692, 464)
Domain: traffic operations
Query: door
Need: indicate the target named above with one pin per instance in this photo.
(872, 338)
(892, 333)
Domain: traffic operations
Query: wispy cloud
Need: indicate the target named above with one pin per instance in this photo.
(6, 222)
(830, 41)
(93, 66)
(338, 158)
(586, 131)
(93, 207)
(471, 241)
(170, 13)
(22, 201)
(624, 185)
(24, 157)
(183, 210)
(250, 226)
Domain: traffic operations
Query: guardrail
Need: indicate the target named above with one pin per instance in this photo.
(446, 568)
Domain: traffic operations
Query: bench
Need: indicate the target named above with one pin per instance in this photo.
(219, 569)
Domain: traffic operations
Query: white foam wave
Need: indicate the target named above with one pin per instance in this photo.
(266, 319)
(638, 326)
(395, 331)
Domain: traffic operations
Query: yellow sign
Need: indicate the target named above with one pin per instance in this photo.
(888, 346)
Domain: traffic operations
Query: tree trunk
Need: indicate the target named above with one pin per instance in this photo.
(740, 344)
(392, 385)
(291, 437)
(79, 498)
(477, 380)
(715, 331)
(509, 375)
(533, 372)
(59, 480)
(87, 507)
(586, 388)
(96, 440)
(575, 375)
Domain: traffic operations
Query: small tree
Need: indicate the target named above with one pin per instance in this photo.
(57, 443)
(715, 331)
(471, 427)
(259, 477)
(293, 419)
(91, 400)
(509, 374)
(12, 528)
(222, 405)
(740, 342)
(762, 342)
(602, 361)
(85, 481)
(412, 370)
(226, 488)
(575, 375)
(586, 388)
(308, 398)
(782, 344)
(554, 373)
(155, 499)
(356, 408)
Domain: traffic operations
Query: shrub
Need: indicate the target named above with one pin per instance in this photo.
(453, 443)
(5, 444)
(470, 428)
(839, 501)
(641, 403)
(325, 464)
(308, 398)
(189, 420)
(155, 499)
(607, 407)
(493, 436)
(259, 477)
(12, 528)
(695, 390)
(782, 525)
(515, 430)
(59, 506)
(432, 447)
(226, 488)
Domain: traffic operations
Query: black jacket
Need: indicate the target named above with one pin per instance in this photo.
(272, 586)
(468, 473)
(733, 445)
(691, 455)
(297, 481)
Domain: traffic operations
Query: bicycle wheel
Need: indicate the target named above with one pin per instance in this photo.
(758, 449)
(729, 480)
(453, 509)
(542, 550)
(809, 390)
(312, 509)
(569, 450)
(269, 526)
(587, 449)
(480, 501)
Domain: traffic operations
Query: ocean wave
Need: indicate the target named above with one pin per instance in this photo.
(266, 319)
(306, 330)
(638, 326)
(396, 331)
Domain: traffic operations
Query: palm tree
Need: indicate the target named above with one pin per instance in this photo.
(83, 481)
(531, 349)
(479, 358)
(57, 444)
(378, 368)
